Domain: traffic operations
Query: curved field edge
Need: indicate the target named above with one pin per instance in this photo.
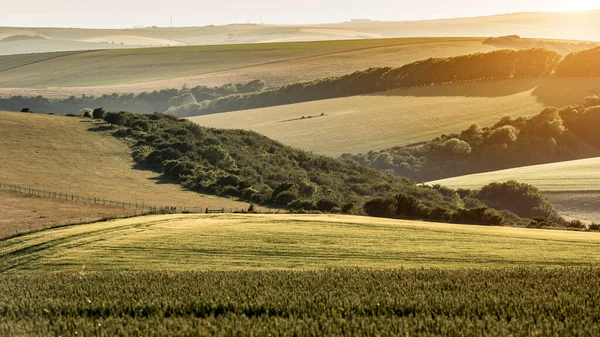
(276, 63)
(400, 117)
(294, 242)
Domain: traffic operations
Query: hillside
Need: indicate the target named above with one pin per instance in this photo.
(402, 116)
(72, 155)
(575, 26)
(108, 71)
(21, 213)
(259, 242)
(573, 187)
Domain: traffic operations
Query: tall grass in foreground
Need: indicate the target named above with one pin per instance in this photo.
(355, 302)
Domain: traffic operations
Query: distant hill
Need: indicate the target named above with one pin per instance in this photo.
(572, 26)
(13, 38)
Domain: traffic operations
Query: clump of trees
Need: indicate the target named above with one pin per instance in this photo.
(552, 135)
(517, 42)
(584, 63)
(248, 166)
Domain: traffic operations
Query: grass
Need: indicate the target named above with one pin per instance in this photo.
(354, 302)
(291, 242)
(21, 213)
(573, 186)
(373, 122)
(576, 175)
(74, 156)
(276, 63)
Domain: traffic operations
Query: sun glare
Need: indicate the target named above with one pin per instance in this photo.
(577, 5)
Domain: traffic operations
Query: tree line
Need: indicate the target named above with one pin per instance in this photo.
(144, 102)
(496, 65)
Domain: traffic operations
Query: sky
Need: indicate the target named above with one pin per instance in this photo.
(130, 13)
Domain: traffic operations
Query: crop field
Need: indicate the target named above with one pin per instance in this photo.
(205, 242)
(374, 122)
(573, 187)
(126, 70)
(75, 156)
(576, 175)
(348, 302)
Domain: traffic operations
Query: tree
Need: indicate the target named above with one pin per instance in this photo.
(98, 113)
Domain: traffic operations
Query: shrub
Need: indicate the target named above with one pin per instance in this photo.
(28, 110)
(595, 227)
(576, 224)
(381, 207)
(98, 113)
(519, 198)
(326, 205)
(285, 198)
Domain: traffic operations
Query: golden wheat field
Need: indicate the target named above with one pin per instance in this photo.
(373, 122)
(298, 242)
(75, 156)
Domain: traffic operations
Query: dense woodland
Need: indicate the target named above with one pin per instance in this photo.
(552, 135)
(249, 166)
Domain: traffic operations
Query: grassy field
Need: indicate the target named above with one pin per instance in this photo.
(374, 122)
(20, 213)
(74, 156)
(291, 242)
(355, 302)
(572, 186)
(276, 63)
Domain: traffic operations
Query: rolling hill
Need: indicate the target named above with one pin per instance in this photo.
(74, 156)
(107, 71)
(297, 242)
(573, 187)
(404, 116)
(574, 26)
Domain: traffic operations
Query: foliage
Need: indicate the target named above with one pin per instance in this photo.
(584, 63)
(522, 199)
(552, 135)
(98, 113)
(179, 101)
(503, 64)
(354, 302)
(252, 167)
(517, 42)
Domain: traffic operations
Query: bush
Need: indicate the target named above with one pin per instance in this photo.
(326, 205)
(26, 110)
(519, 198)
(576, 224)
(595, 227)
(381, 207)
(98, 113)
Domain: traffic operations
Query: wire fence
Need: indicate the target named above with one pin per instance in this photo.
(143, 207)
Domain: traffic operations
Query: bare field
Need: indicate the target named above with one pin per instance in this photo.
(295, 242)
(73, 155)
(400, 117)
(108, 71)
(21, 213)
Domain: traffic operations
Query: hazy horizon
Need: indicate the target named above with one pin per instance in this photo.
(127, 14)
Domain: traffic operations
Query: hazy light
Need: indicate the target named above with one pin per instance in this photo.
(129, 13)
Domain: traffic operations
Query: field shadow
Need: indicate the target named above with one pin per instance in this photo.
(547, 91)
(565, 91)
(488, 89)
